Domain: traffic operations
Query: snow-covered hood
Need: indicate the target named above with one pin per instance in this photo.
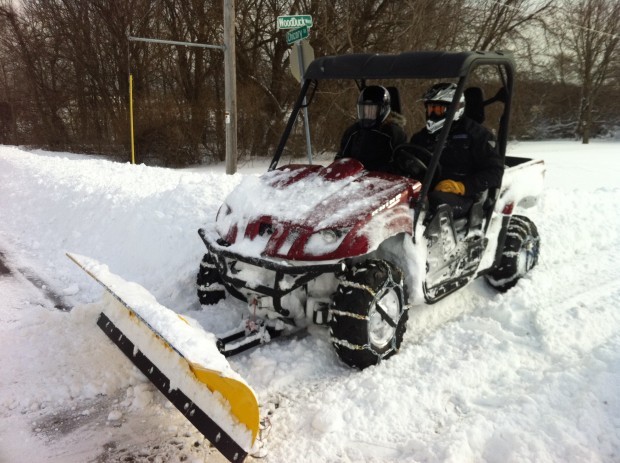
(309, 212)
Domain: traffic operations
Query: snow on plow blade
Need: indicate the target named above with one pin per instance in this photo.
(180, 360)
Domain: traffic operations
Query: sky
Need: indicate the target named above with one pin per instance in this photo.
(529, 375)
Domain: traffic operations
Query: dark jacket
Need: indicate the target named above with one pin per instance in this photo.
(372, 147)
(470, 156)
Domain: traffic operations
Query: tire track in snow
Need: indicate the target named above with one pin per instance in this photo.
(7, 269)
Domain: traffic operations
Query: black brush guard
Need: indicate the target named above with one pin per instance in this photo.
(302, 274)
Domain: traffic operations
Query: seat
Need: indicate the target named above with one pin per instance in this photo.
(394, 99)
(474, 104)
(480, 210)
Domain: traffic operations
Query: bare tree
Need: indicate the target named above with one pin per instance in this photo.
(590, 48)
(65, 64)
(494, 23)
(27, 42)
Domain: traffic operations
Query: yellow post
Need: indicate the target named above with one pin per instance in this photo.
(133, 153)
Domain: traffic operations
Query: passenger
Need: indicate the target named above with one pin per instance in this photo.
(469, 163)
(378, 130)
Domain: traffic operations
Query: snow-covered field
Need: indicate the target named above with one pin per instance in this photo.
(530, 375)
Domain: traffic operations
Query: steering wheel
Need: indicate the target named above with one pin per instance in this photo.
(412, 160)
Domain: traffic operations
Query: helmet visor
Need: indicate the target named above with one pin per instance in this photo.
(368, 113)
(436, 110)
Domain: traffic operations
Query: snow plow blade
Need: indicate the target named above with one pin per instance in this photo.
(182, 361)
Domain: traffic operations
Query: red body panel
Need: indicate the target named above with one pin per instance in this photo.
(311, 213)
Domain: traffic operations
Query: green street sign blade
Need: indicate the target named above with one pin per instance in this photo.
(294, 21)
(296, 35)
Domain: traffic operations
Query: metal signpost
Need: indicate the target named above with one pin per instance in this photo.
(230, 100)
(306, 52)
(230, 82)
(300, 25)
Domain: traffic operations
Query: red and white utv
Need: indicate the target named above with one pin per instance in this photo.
(355, 250)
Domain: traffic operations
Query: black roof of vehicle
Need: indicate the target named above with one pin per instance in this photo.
(412, 64)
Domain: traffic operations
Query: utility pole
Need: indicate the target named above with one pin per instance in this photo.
(230, 87)
(230, 81)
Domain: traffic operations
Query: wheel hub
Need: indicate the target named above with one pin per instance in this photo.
(381, 332)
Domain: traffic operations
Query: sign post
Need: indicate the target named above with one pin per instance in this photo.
(230, 85)
(299, 25)
(306, 52)
(133, 150)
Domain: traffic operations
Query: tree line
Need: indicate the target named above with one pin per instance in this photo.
(64, 67)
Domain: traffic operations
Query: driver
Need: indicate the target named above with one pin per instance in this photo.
(378, 130)
(469, 163)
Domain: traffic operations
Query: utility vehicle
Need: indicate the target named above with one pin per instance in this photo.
(354, 249)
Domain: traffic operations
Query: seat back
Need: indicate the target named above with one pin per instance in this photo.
(474, 104)
(394, 99)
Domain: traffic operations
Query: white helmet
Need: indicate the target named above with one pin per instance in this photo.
(373, 106)
(436, 101)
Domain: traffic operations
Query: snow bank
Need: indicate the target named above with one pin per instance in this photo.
(530, 375)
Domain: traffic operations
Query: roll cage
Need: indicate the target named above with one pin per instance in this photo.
(410, 65)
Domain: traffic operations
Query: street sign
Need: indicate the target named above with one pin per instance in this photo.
(302, 55)
(294, 21)
(295, 35)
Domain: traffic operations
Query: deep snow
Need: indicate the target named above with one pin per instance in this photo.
(530, 375)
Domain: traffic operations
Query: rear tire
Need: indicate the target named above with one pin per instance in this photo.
(369, 313)
(519, 256)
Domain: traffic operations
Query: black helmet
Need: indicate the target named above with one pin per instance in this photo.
(436, 101)
(373, 106)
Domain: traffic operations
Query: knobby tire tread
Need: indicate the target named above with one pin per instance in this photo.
(355, 296)
(506, 275)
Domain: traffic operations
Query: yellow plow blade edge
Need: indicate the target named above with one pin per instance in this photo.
(242, 400)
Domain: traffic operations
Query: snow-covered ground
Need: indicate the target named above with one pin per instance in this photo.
(530, 375)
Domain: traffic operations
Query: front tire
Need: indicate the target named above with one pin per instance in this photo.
(519, 256)
(369, 313)
(209, 285)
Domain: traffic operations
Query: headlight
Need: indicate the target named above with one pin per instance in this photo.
(330, 236)
(223, 211)
(223, 220)
(325, 241)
